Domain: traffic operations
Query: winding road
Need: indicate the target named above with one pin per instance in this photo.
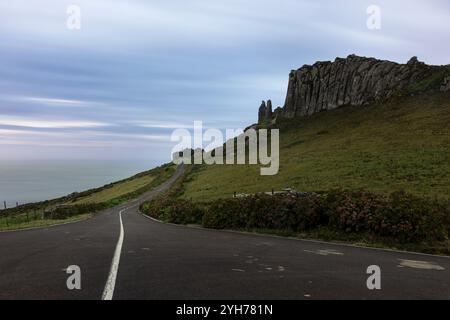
(125, 255)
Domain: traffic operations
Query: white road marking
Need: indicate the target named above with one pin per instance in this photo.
(251, 260)
(325, 252)
(238, 270)
(108, 292)
(420, 265)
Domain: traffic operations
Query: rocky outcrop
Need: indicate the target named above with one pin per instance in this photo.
(352, 81)
(445, 86)
(265, 112)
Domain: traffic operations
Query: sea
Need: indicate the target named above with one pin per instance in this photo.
(28, 181)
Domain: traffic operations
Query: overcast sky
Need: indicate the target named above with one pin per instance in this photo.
(116, 88)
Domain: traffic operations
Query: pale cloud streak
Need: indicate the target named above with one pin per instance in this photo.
(58, 102)
(84, 138)
(48, 123)
(163, 125)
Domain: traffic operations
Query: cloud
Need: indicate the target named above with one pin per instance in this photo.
(59, 102)
(361, 36)
(79, 138)
(6, 120)
(128, 136)
(163, 124)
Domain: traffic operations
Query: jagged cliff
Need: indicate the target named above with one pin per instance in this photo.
(352, 81)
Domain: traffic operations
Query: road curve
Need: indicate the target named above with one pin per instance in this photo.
(163, 261)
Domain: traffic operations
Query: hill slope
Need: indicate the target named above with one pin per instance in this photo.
(402, 144)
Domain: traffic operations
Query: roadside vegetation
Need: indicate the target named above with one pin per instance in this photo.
(400, 221)
(79, 206)
(377, 175)
(23, 221)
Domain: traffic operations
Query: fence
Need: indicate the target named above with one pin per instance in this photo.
(6, 207)
(16, 219)
(285, 191)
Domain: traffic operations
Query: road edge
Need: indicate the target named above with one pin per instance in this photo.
(198, 227)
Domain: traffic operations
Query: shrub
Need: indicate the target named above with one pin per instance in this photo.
(401, 216)
(266, 212)
(412, 219)
(352, 211)
(156, 207)
(224, 214)
(405, 217)
(184, 212)
(64, 212)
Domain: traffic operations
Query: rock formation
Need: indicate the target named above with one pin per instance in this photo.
(352, 81)
(265, 111)
(445, 84)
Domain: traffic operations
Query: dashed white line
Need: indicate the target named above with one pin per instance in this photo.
(108, 292)
(420, 265)
(325, 252)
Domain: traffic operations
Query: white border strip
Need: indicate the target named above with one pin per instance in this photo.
(108, 292)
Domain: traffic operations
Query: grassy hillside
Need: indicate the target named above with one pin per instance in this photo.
(403, 144)
(117, 190)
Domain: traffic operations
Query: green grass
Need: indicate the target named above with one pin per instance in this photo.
(403, 144)
(432, 82)
(117, 190)
(23, 222)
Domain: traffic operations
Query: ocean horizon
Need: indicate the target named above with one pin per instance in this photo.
(27, 181)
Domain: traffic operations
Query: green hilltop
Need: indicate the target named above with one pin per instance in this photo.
(399, 144)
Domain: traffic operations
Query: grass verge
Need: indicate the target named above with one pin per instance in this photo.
(22, 222)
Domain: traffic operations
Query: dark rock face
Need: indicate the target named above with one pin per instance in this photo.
(265, 112)
(445, 86)
(262, 112)
(352, 81)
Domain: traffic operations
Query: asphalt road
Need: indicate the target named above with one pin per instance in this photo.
(124, 255)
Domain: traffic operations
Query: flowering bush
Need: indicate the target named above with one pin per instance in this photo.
(157, 207)
(65, 212)
(266, 212)
(401, 216)
(411, 219)
(352, 211)
(184, 212)
(224, 214)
